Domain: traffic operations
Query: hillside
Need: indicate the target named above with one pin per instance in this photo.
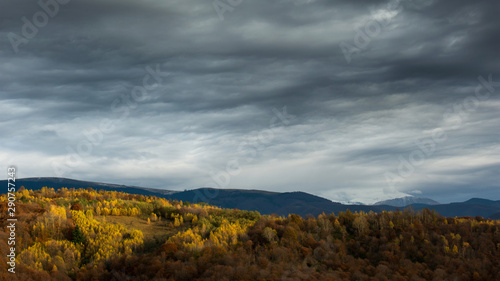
(83, 234)
(285, 203)
(266, 202)
(57, 183)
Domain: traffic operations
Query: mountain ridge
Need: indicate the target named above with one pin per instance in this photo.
(267, 202)
(407, 200)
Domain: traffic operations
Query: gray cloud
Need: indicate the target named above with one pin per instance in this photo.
(352, 121)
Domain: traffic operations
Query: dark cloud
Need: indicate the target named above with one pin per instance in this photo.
(222, 103)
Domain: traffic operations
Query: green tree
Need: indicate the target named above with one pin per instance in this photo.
(78, 237)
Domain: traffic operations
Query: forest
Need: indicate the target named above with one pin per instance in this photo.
(84, 234)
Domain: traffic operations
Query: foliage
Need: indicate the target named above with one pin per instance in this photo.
(84, 234)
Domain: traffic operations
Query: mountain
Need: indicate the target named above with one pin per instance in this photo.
(282, 204)
(407, 200)
(464, 209)
(57, 183)
(265, 202)
(480, 201)
(495, 216)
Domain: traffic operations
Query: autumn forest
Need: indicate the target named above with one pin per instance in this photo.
(84, 234)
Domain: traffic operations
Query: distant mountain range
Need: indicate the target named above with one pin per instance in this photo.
(284, 203)
(407, 200)
(56, 183)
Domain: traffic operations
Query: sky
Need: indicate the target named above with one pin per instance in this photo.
(355, 101)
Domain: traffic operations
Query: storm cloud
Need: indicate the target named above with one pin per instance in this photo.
(350, 100)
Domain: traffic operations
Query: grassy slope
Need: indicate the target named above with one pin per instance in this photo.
(155, 233)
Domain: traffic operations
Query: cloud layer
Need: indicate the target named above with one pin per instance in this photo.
(351, 100)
